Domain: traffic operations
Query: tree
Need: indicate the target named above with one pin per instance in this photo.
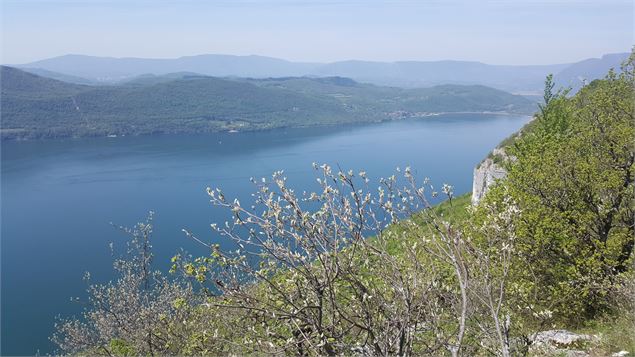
(572, 181)
(138, 314)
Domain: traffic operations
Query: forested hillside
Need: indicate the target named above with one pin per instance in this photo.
(38, 107)
(373, 268)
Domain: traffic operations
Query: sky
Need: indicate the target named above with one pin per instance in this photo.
(492, 31)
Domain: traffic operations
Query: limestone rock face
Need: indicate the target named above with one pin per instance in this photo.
(559, 337)
(485, 175)
(560, 342)
(620, 354)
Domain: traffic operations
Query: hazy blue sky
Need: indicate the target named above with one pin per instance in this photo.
(498, 32)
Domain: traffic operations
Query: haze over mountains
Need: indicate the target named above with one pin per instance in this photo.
(77, 95)
(407, 74)
(37, 107)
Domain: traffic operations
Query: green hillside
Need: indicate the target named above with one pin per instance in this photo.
(440, 98)
(38, 107)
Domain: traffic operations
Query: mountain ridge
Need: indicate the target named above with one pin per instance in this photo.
(406, 74)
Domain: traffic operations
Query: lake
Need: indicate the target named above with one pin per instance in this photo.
(59, 196)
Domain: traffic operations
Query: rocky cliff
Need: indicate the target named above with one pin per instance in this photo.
(486, 174)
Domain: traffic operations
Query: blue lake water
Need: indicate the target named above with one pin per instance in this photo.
(59, 196)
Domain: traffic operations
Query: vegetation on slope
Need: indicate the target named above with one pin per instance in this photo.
(549, 247)
(572, 181)
(439, 98)
(38, 107)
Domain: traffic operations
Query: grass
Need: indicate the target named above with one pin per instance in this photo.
(615, 333)
(453, 211)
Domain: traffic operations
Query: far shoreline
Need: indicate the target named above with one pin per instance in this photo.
(236, 130)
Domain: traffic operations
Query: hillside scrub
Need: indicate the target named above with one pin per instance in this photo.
(359, 269)
(572, 183)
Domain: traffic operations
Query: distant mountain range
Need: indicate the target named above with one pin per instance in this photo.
(34, 106)
(405, 74)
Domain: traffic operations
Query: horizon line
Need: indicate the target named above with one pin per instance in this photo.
(304, 62)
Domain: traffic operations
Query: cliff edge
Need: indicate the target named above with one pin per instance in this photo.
(486, 174)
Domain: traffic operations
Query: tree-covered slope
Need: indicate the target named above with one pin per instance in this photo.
(18, 83)
(34, 106)
(434, 99)
(60, 76)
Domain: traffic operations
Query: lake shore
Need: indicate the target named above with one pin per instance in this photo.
(21, 134)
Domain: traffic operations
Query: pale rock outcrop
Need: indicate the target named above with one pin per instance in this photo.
(620, 354)
(486, 174)
(561, 343)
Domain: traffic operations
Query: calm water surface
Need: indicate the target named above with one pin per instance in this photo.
(59, 196)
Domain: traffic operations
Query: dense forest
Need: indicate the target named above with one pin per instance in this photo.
(352, 269)
(39, 107)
